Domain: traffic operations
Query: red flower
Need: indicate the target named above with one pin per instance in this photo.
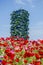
(7, 50)
(4, 62)
(6, 57)
(26, 41)
(11, 55)
(41, 52)
(41, 41)
(28, 54)
(17, 49)
(41, 47)
(25, 61)
(1, 44)
(37, 55)
(17, 60)
(8, 38)
(37, 63)
(10, 62)
(41, 56)
(2, 38)
(21, 39)
(5, 44)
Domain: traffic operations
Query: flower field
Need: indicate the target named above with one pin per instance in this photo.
(20, 51)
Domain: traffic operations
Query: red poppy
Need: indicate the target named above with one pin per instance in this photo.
(37, 55)
(17, 60)
(41, 41)
(1, 44)
(25, 61)
(7, 50)
(6, 57)
(26, 41)
(41, 47)
(4, 62)
(28, 54)
(5, 44)
(2, 38)
(37, 63)
(41, 52)
(11, 55)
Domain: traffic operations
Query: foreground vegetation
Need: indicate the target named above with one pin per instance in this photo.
(19, 51)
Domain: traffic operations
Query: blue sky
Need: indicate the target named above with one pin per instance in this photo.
(34, 7)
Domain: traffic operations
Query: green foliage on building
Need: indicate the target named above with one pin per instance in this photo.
(19, 23)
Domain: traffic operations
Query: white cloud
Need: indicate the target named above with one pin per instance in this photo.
(24, 2)
(31, 3)
(19, 2)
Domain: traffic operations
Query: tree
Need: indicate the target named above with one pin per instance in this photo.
(19, 23)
